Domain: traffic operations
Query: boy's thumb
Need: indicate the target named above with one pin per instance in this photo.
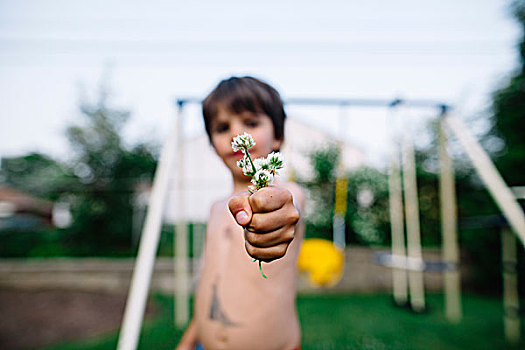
(240, 208)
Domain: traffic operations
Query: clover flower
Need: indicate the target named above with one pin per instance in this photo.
(242, 142)
(242, 163)
(262, 178)
(248, 168)
(260, 163)
(262, 170)
(275, 161)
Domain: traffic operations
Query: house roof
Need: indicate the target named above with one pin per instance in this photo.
(25, 203)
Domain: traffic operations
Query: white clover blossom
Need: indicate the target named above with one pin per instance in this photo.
(242, 142)
(260, 163)
(246, 166)
(241, 163)
(275, 161)
(262, 178)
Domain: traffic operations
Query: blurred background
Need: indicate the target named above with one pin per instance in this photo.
(89, 95)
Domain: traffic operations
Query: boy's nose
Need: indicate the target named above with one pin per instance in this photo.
(236, 129)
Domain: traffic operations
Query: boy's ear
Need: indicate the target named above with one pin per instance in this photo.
(277, 143)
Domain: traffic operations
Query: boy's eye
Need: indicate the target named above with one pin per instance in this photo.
(251, 123)
(221, 127)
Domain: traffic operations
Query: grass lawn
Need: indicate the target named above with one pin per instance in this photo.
(354, 322)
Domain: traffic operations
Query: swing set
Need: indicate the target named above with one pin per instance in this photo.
(405, 260)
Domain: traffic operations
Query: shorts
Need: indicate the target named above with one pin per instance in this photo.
(200, 347)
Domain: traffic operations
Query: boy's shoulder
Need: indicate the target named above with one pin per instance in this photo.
(219, 206)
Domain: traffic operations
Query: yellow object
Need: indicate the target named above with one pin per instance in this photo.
(341, 192)
(321, 261)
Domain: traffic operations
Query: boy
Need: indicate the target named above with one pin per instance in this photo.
(235, 307)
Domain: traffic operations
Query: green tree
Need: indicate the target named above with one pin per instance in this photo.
(508, 120)
(509, 114)
(107, 172)
(37, 174)
(366, 220)
(367, 216)
(321, 189)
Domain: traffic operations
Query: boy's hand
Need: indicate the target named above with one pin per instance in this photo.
(269, 218)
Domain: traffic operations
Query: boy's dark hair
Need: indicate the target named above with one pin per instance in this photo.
(241, 94)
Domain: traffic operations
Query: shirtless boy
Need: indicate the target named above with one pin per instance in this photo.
(235, 307)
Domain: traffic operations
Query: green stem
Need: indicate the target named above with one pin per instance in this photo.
(260, 269)
(250, 159)
(253, 173)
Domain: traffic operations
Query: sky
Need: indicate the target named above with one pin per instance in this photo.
(55, 53)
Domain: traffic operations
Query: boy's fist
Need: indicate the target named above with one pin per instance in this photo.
(269, 218)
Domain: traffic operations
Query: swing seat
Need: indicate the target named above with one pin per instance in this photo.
(321, 262)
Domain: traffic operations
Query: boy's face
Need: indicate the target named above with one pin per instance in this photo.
(226, 125)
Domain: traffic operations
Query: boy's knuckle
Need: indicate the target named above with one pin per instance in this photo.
(257, 202)
(260, 225)
(289, 235)
(248, 235)
(238, 202)
(256, 222)
(283, 196)
(281, 251)
(252, 251)
(294, 216)
(233, 202)
(255, 240)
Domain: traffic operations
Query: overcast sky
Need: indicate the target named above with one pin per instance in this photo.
(455, 51)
